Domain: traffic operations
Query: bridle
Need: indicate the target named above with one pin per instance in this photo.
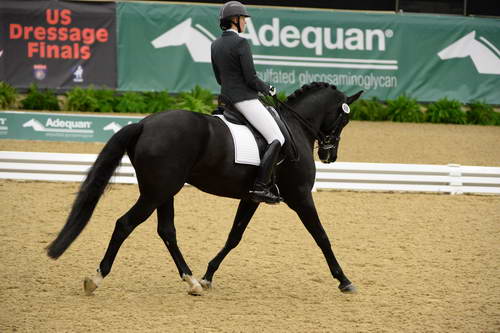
(328, 139)
(327, 150)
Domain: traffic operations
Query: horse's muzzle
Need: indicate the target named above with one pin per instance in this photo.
(327, 155)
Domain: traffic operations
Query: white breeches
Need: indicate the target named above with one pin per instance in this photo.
(259, 117)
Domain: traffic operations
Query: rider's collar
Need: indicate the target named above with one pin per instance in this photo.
(236, 32)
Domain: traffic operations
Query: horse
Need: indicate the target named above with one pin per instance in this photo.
(171, 148)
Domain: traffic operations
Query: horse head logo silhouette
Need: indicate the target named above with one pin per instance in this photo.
(484, 55)
(113, 126)
(196, 39)
(37, 126)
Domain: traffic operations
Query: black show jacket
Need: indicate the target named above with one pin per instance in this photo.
(234, 70)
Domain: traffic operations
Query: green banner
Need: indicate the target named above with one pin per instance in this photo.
(60, 126)
(428, 57)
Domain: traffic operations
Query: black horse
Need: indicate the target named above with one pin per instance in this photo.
(175, 147)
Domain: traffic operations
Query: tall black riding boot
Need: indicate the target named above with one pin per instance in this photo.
(262, 189)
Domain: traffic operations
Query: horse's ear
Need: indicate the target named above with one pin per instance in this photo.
(354, 97)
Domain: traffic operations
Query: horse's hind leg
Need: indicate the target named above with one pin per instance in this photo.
(246, 209)
(141, 210)
(166, 230)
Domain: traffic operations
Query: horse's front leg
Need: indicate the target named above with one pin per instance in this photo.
(246, 209)
(306, 210)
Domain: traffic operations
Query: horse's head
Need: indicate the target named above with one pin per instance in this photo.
(324, 112)
(336, 119)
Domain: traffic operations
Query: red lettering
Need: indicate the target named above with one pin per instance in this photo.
(15, 31)
(65, 16)
(74, 34)
(85, 52)
(42, 49)
(53, 51)
(66, 52)
(80, 38)
(88, 36)
(55, 16)
(102, 35)
(39, 33)
(27, 31)
(52, 33)
(52, 16)
(63, 34)
(32, 49)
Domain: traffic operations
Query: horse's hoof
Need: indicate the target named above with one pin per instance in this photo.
(195, 290)
(89, 286)
(348, 289)
(205, 284)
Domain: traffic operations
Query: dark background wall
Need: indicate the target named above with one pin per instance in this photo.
(455, 7)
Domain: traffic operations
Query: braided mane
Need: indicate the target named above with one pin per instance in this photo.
(306, 88)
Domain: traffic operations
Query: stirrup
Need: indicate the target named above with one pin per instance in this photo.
(265, 195)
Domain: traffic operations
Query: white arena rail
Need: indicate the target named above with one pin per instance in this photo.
(452, 178)
(57, 167)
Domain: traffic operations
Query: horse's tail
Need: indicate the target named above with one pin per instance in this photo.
(92, 188)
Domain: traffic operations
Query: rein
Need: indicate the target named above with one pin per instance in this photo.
(325, 140)
(317, 135)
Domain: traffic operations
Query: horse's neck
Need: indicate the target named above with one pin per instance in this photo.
(312, 111)
(484, 59)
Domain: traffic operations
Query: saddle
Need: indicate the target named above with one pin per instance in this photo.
(288, 150)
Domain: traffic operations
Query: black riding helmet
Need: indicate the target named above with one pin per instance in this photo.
(228, 11)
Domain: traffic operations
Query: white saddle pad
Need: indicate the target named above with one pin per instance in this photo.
(245, 146)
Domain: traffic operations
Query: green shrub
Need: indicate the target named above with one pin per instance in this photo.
(368, 109)
(106, 100)
(198, 100)
(282, 96)
(159, 101)
(445, 111)
(188, 102)
(131, 102)
(203, 95)
(401, 109)
(79, 99)
(90, 99)
(268, 100)
(482, 114)
(40, 100)
(404, 109)
(8, 96)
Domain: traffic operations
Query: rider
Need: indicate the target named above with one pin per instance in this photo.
(234, 70)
